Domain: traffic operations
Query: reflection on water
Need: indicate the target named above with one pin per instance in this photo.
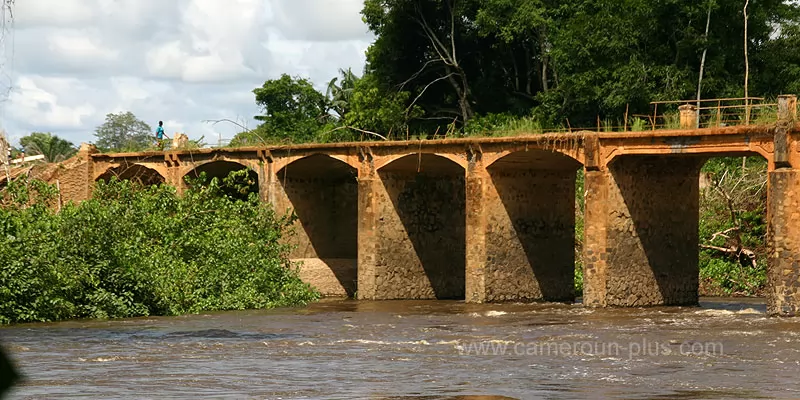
(418, 350)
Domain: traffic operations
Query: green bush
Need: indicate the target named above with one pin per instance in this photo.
(136, 251)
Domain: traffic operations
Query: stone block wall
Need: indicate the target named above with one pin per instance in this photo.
(783, 238)
(529, 235)
(419, 237)
(325, 234)
(72, 179)
(649, 228)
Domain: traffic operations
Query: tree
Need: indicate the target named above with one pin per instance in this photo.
(123, 132)
(575, 59)
(293, 109)
(340, 96)
(421, 47)
(374, 109)
(53, 148)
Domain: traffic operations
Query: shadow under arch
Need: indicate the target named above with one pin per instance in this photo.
(653, 243)
(530, 236)
(424, 233)
(220, 169)
(135, 173)
(659, 243)
(323, 192)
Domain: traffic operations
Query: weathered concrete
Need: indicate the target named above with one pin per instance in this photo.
(492, 219)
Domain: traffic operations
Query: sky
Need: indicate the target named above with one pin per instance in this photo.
(66, 64)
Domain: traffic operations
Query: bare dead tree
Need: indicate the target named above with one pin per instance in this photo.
(739, 191)
(446, 54)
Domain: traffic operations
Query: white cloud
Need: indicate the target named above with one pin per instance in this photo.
(74, 46)
(33, 102)
(180, 61)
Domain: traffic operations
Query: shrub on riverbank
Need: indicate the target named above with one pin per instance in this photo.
(135, 251)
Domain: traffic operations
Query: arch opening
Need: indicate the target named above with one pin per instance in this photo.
(240, 188)
(531, 209)
(135, 173)
(422, 236)
(323, 193)
(733, 250)
(689, 224)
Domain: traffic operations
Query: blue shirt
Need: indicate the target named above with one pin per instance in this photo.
(160, 132)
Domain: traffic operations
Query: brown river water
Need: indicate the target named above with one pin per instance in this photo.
(726, 348)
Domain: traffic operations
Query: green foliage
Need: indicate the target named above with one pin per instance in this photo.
(340, 96)
(293, 111)
(503, 125)
(726, 278)
(53, 148)
(580, 207)
(376, 109)
(123, 132)
(732, 216)
(132, 251)
(575, 59)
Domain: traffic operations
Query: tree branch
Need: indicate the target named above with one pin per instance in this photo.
(426, 88)
(416, 74)
(357, 130)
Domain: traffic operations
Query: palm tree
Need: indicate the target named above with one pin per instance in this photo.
(340, 95)
(52, 147)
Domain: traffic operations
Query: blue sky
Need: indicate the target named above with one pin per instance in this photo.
(68, 63)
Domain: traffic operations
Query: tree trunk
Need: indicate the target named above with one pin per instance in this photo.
(703, 63)
(545, 58)
(746, 68)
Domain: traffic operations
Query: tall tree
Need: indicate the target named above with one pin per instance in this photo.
(293, 109)
(340, 92)
(575, 59)
(52, 147)
(123, 132)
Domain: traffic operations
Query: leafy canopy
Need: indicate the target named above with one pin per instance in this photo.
(124, 132)
(53, 148)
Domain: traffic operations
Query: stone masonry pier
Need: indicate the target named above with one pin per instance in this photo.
(493, 219)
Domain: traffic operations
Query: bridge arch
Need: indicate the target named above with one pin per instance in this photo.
(322, 191)
(133, 172)
(424, 163)
(663, 239)
(416, 162)
(220, 169)
(284, 163)
(421, 239)
(530, 207)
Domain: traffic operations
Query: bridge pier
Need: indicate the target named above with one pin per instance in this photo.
(521, 229)
(641, 219)
(783, 239)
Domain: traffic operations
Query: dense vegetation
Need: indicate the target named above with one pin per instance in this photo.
(471, 66)
(733, 256)
(132, 251)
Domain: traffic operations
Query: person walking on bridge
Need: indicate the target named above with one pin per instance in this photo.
(160, 136)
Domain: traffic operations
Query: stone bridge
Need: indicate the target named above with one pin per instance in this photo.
(493, 219)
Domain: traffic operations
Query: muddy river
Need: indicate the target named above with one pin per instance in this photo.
(726, 348)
